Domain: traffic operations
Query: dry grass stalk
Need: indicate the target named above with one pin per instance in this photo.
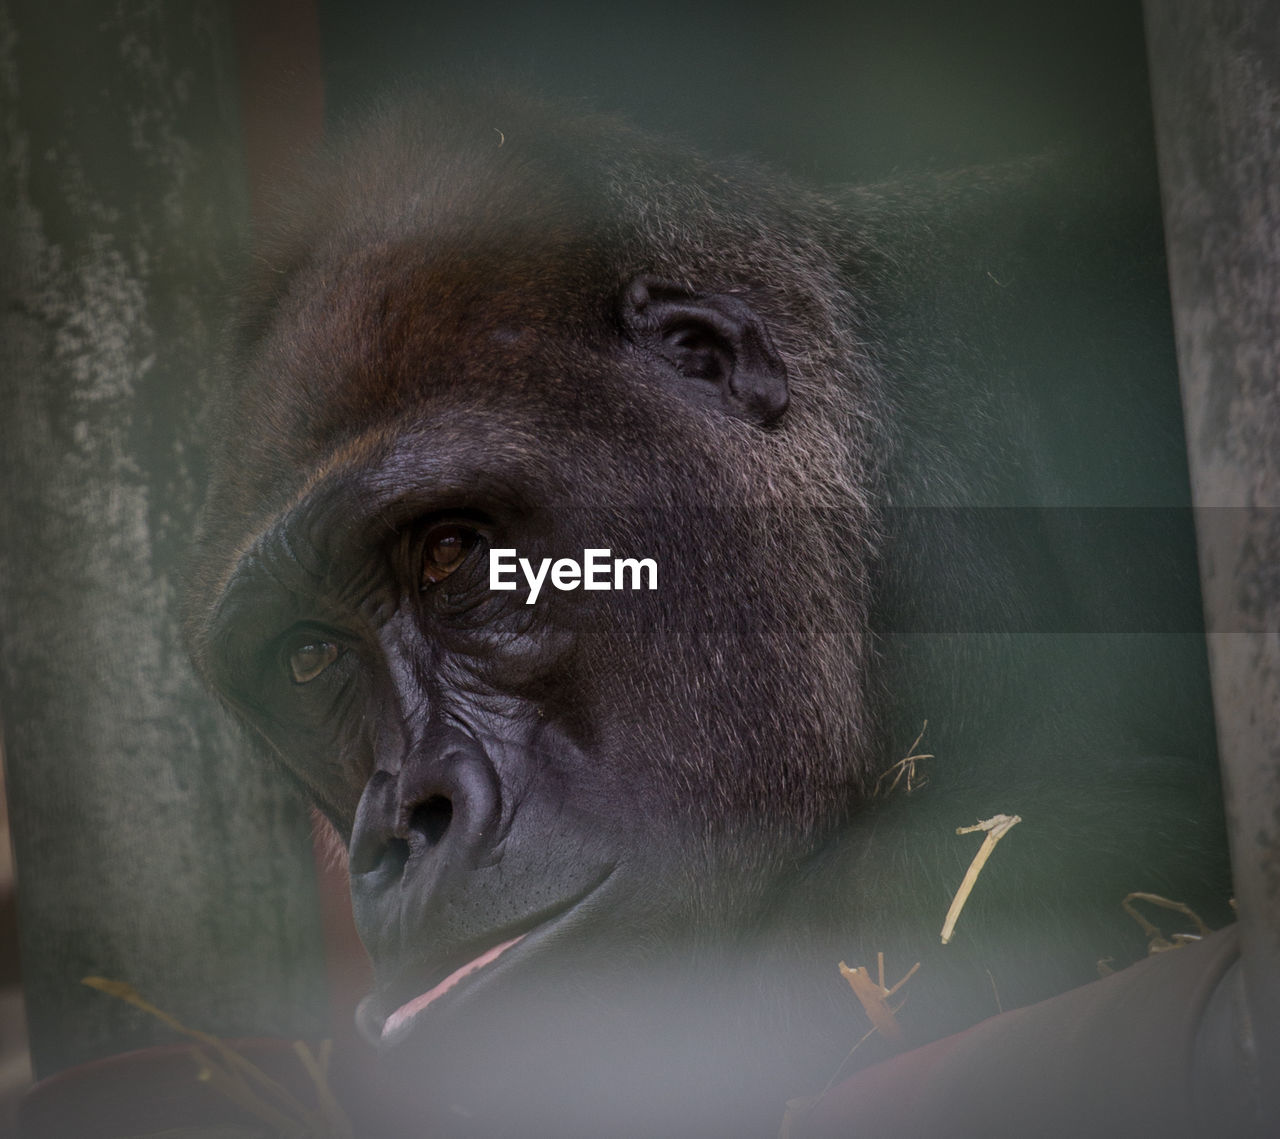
(905, 768)
(795, 1111)
(247, 1085)
(1156, 940)
(874, 997)
(996, 828)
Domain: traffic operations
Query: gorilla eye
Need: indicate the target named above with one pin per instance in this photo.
(309, 658)
(445, 547)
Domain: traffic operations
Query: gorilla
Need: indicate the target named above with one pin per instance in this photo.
(607, 849)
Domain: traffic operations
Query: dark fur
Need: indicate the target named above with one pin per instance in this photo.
(440, 325)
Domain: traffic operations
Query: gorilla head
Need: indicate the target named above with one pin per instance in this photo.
(606, 845)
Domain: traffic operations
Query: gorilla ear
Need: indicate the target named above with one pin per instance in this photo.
(717, 341)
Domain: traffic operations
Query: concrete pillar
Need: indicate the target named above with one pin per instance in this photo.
(152, 846)
(1215, 71)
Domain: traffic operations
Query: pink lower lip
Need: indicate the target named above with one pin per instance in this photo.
(406, 1012)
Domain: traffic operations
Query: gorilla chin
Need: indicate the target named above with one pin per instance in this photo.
(565, 1044)
(607, 849)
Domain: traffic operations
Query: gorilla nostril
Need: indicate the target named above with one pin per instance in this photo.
(431, 819)
(440, 811)
(395, 856)
(383, 855)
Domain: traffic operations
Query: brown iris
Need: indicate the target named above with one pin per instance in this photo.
(445, 548)
(310, 658)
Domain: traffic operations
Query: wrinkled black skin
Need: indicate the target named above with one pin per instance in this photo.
(575, 336)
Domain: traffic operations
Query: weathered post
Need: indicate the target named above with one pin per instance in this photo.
(1216, 85)
(150, 847)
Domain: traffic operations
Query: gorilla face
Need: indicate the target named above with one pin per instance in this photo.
(464, 347)
(606, 846)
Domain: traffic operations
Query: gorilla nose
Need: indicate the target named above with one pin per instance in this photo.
(441, 810)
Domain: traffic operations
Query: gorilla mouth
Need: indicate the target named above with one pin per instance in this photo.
(546, 925)
(396, 1025)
